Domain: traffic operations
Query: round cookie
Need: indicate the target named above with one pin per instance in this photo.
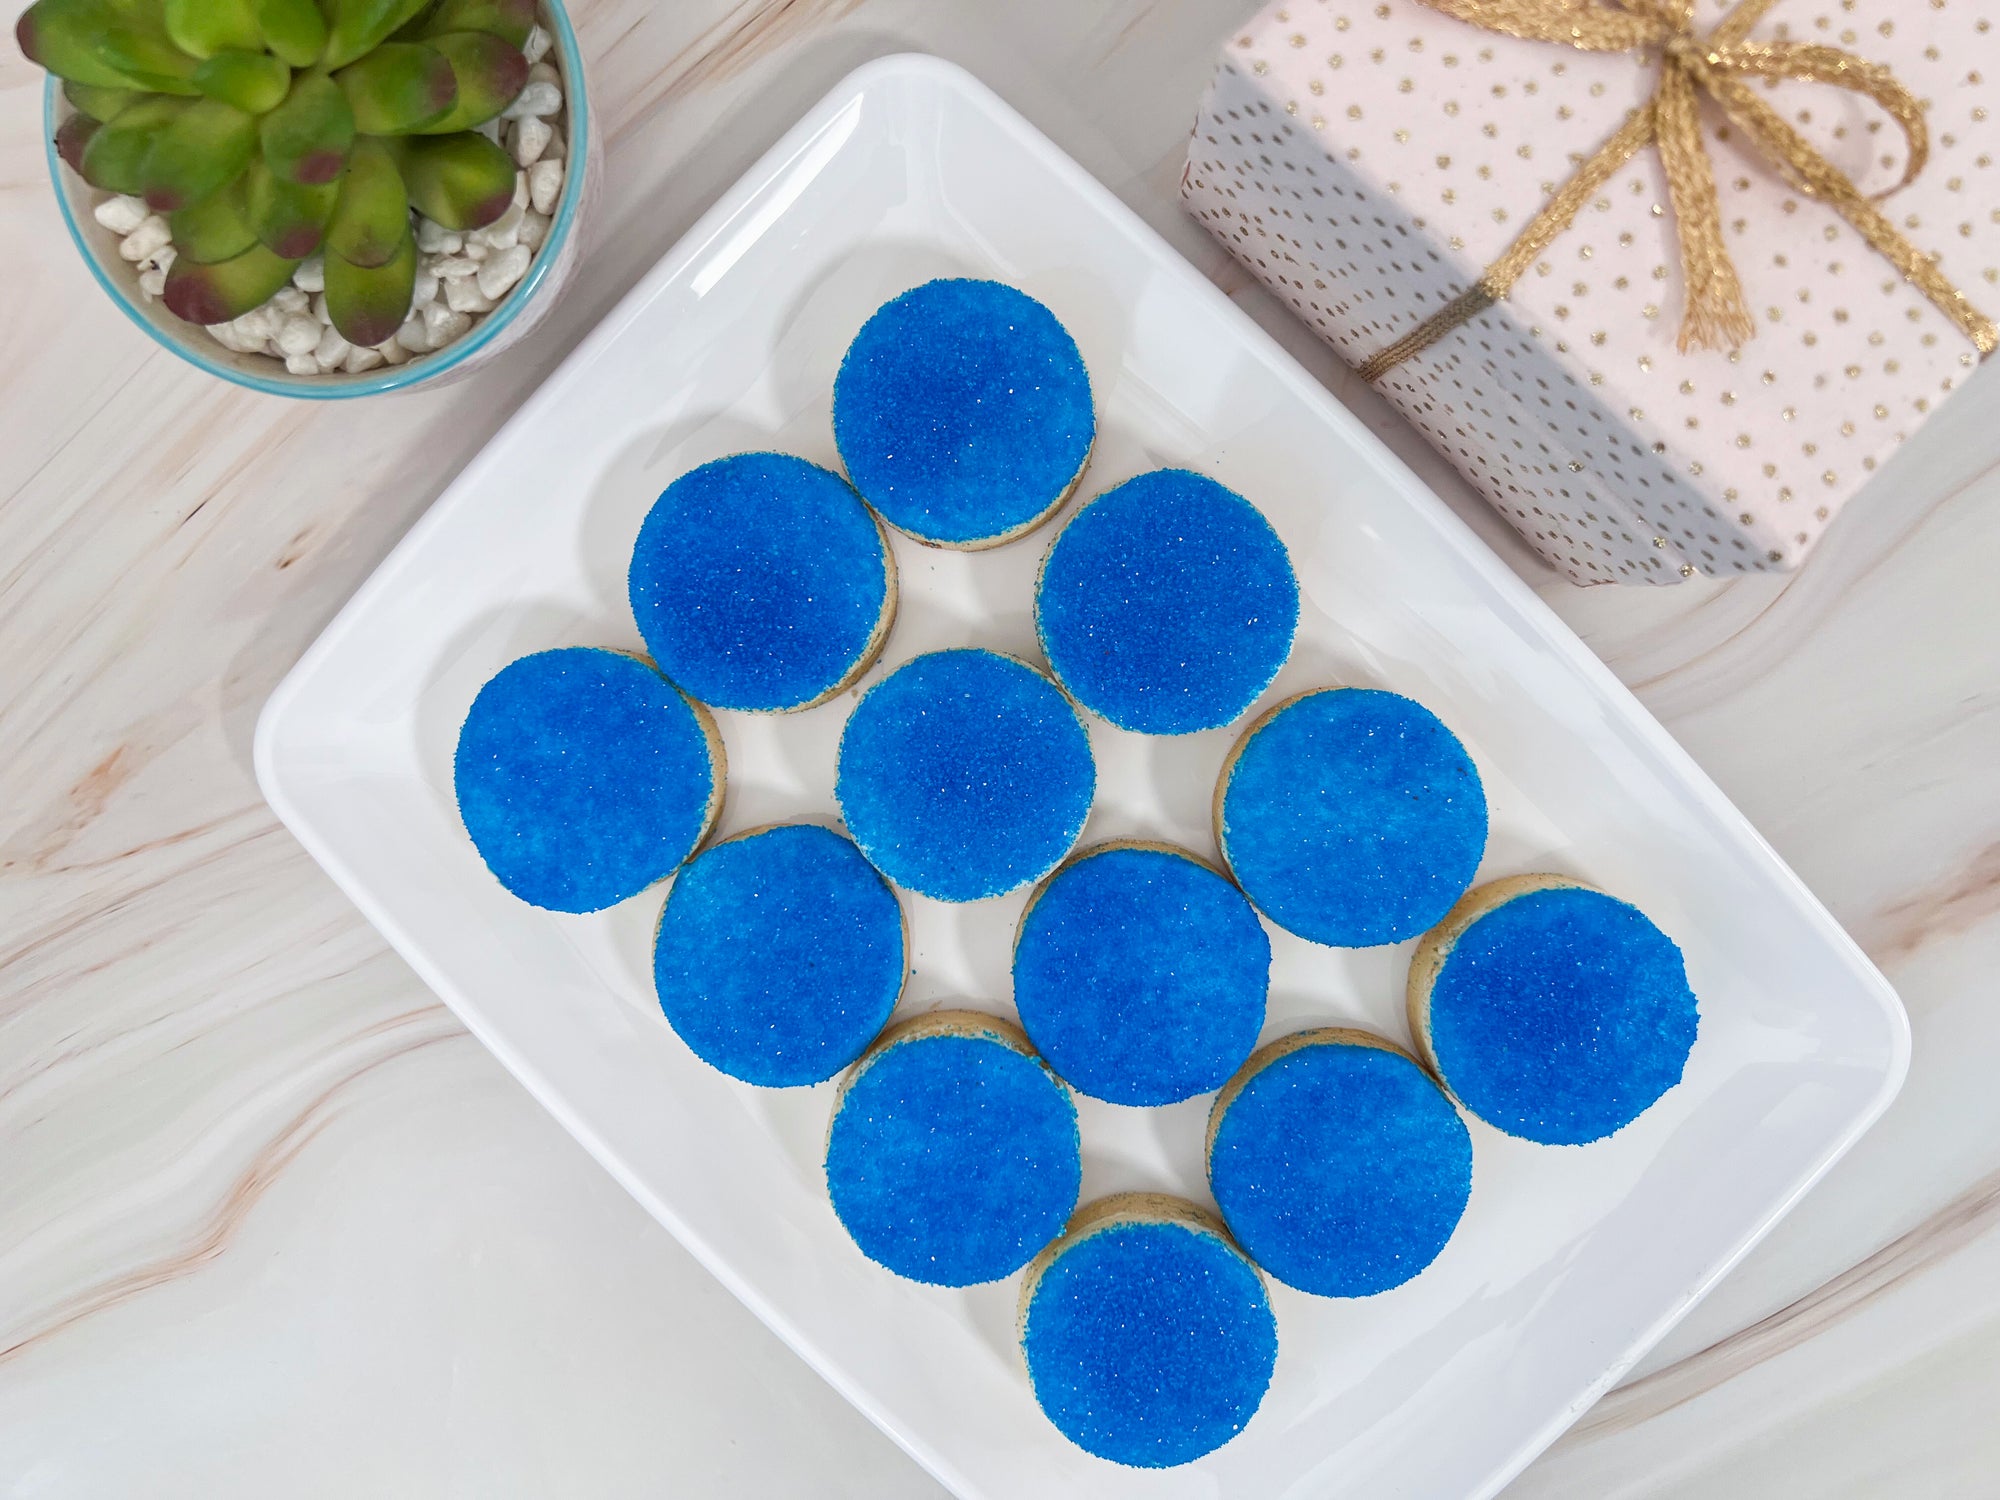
(1351, 816)
(1149, 1338)
(964, 774)
(953, 1154)
(962, 413)
(1140, 974)
(761, 582)
(1167, 605)
(1338, 1163)
(584, 776)
(1550, 1010)
(780, 954)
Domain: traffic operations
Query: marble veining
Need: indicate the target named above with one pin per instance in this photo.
(260, 1187)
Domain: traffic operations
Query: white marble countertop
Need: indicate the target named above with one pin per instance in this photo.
(273, 1224)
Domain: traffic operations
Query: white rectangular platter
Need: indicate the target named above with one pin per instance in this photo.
(1569, 1263)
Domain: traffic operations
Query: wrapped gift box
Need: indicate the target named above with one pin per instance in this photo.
(1368, 160)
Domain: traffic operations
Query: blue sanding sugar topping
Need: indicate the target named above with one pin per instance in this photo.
(1150, 1344)
(962, 411)
(1353, 817)
(1167, 604)
(780, 955)
(1140, 974)
(758, 581)
(583, 777)
(953, 1159)
(1562, 1016)
(1341, 1168)
(964, 774)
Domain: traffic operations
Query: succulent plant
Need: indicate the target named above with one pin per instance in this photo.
(271, 130)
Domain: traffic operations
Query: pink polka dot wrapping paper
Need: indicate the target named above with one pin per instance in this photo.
(1367, 160)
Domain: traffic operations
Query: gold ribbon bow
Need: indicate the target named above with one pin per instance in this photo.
(1690, 66)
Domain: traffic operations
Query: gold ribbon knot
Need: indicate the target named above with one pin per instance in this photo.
(1692, 66)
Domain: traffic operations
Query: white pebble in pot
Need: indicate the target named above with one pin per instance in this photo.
(151, 235)
(502, 269)
(331, 348)
(530, 140)
(545, 180)
(122, 214)
(300, 333)
(462, 294)
(442, 324)
(410, 338)
(539, 98)
(503, 231)
(434, 239)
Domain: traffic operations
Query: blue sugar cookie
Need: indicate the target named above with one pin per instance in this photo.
(1351, 817)
(1339, 1164)
(953, 1156)
(964, 774)
(1167, 605)
(584, 776)
(762, 582)
(1552, 1011)
(962, 412)
(1140, 974)
(1149, 1338)
(780, 955)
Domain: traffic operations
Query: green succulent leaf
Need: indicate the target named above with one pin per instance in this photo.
(490, 73)
(368, 303)
(293, 29)
(357, 27)
(218, 228)
(115, 157)
(255, 82)
(148, 58)
(462, 181)
(510, 20)
(306, 138)
(290, 217)
(413, 30)
(202, 28)
(399, 87)
(372, 217)
(207, 144)
(72, 39)
(100, 103)
(148, 15)
(73, 138)
(215, 292)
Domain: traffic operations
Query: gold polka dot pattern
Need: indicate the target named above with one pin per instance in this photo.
(1366, 161)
